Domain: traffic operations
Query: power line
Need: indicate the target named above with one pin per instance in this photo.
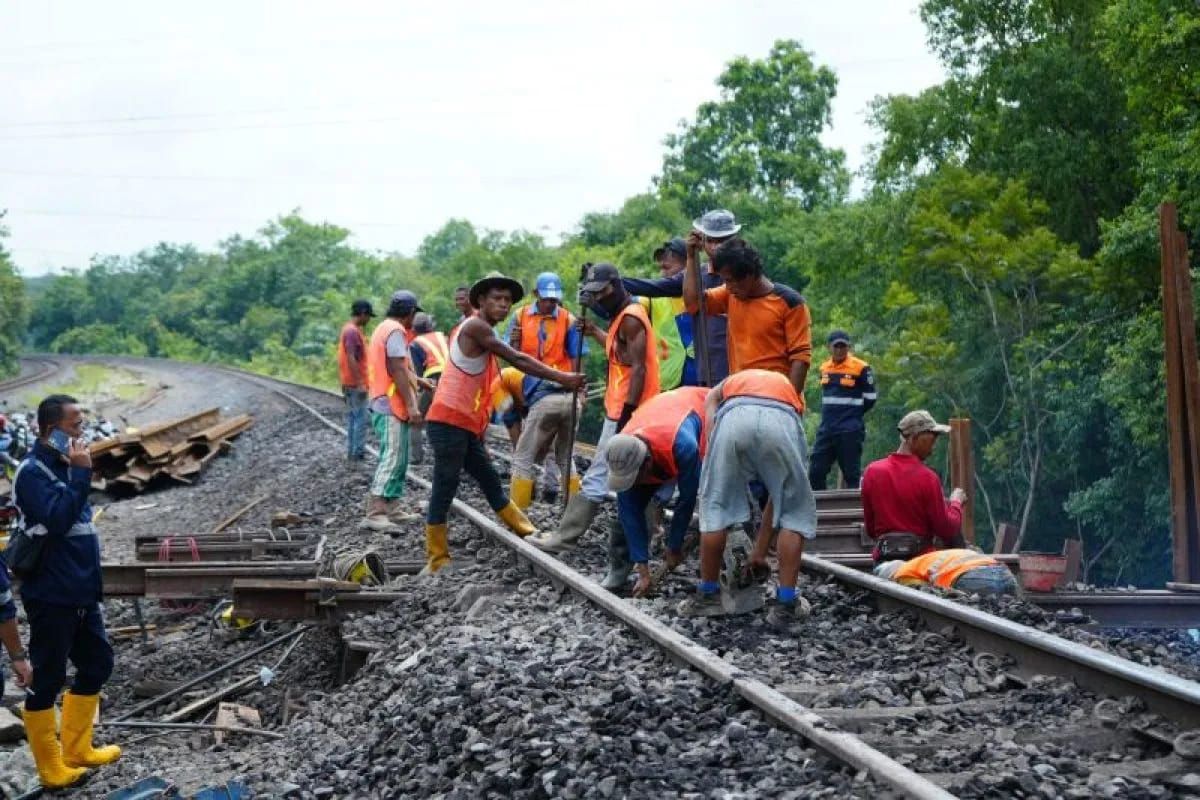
(38, 212)
(160, 117)
(372, 180)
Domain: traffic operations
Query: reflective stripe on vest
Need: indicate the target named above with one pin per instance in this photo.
(379, 382)
(437, 352)
(657, 423)
(346, 375)
(464, 399)
(762, 383)
(617, 389)
(942, 567)
(545, 338)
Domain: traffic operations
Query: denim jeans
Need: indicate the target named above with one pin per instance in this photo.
(356, 421)
(987, 580)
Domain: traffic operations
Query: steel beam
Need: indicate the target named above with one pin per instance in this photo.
(1143, 609)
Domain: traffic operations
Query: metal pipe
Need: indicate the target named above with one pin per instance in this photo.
(190, 726)
(183, 687)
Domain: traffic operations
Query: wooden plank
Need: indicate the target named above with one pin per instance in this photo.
(1191, 396)
(962, 472)
(1073, 550)
(1176, 416)
(1006, 538)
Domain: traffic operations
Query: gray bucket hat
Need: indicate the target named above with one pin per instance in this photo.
(717, 224)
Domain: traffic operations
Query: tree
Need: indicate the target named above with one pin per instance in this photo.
(762, 137)
(1029, 97)
(16, 310)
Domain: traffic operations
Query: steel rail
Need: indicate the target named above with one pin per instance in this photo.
(49, 368)
(842, 746)
(1035, 650)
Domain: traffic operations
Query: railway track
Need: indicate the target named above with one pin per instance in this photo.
(42, 368)
(968, 699)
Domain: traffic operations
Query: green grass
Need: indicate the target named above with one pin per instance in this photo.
(94, 383)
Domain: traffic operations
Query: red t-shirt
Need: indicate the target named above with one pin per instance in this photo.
(899, 493)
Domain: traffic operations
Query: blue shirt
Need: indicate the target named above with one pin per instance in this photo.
(631, 504)
(717, 325)
(70, 573)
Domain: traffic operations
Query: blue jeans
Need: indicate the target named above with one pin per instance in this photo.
(356, 421)
(987, 580)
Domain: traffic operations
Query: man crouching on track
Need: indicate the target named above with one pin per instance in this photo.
(462, 406)
(663, 442)
(757, 434)
(62, 597)
(956, 568)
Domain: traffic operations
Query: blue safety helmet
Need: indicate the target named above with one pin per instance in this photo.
(549, 285)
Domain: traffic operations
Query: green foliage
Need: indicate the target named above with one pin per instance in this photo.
(762, 137)
(15, 315)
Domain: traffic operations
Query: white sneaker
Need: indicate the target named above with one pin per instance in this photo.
(377, 522)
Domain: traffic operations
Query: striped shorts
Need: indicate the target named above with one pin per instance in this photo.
(393, 456)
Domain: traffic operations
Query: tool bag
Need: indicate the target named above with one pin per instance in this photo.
(899, 545)
(27, 544)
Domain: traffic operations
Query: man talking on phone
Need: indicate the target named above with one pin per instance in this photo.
(62, 597)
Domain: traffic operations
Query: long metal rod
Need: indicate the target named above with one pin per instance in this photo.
(183, 687)
(700, 334)
(190, 726)
(845, 747)
(1170, 695)
(577, 363)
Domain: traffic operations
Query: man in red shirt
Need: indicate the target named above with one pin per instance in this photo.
(903, 506)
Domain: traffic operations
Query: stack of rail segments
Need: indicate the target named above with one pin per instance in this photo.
(178, 450)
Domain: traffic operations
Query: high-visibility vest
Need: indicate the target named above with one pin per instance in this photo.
(942, 567)
(671, 353)
(657, 423)
(762, 383)
(617, 390)
(462, 398)
(545, 338)
(437, 351)
(379, 382)
(348, 377)
(847, 393)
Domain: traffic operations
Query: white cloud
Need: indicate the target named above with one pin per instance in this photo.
(387, 118)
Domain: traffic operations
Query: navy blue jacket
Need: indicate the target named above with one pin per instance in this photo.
(847, 393)
(70, 572)
(717, 327)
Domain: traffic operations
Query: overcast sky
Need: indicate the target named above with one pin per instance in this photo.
(123, 124)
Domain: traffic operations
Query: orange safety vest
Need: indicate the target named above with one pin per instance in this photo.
(464, 399)
(379, 382)
(763, 383)
(437, 352)
(552, 351)
(617, 390)
(347, 376)
(657, 423)
(942, 567)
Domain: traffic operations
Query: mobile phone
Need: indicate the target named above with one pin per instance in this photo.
(60, 441)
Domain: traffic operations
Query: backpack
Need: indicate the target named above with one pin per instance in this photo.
(27, 544)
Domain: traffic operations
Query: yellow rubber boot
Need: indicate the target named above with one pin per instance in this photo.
(437, 548)
(516, 520)
(78, 713)
(40, 729)
(574, 485)
(521, 492)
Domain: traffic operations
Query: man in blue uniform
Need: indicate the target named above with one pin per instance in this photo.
(847, 394)
(62, 596)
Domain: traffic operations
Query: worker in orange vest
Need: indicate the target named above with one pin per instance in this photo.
(462, 408)
(757, 434)
(633, 378)
(352, 369)
(663, 443)
(429, 350)
(545, 329)
(393, 410)
(957, 568)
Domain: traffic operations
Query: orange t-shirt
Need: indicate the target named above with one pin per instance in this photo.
(768, 332)
(762, 383)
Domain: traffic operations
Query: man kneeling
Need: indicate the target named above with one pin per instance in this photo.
(964, 570)
(757, 434)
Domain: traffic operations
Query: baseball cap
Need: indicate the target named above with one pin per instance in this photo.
(674, 246)
(625, 455)
(422, 322)
(920, 421)
(599, 276)
(549, 285)
(361, 307)
(839, 336)
(717, 224)
(403, 303)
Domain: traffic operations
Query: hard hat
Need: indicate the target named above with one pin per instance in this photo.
(549, 285)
